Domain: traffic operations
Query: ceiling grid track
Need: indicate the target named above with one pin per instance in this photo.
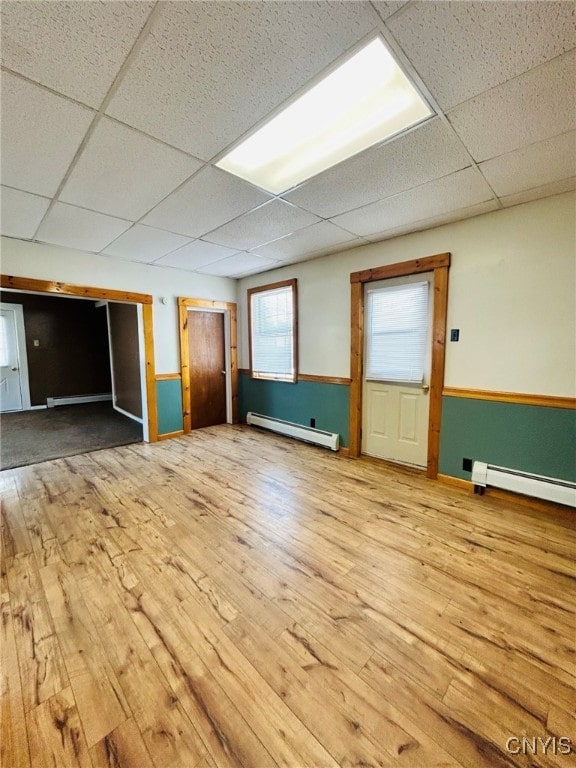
(116, 151)
(100, 112)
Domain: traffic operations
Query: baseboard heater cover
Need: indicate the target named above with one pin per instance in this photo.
(539, 486)
(52, 402)
(299, 431)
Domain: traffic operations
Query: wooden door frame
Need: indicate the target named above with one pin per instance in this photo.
(185, 304)
(91, 292)
(439, 265)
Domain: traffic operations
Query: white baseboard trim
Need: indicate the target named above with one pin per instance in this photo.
(52, 402)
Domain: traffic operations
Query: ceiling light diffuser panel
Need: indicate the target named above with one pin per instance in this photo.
(364, 101)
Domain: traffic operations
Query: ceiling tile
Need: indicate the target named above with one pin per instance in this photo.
(555, 188)
(530, 108)
(259, 269)
(426, 153)
(40, 135)
(205, 73)
(195, 255)
(78, 228)
(436, 221)
(461, 49)
(239, 265)
(459, 190)
(74, 48)
(208, 200)
(208, 71)
(386, 8)
(124, 173)
(356, 242)
(269, 222)
(144, 244)
(21, 212)
(317, 237)
(533, 166)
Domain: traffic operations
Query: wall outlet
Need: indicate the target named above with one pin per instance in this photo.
(36, 342)
(455, 334)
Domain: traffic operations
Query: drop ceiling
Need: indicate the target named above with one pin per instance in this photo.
(114, 115)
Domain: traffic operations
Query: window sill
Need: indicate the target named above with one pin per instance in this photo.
(260, 377)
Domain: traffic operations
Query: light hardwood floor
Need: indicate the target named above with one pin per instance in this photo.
(233, 598)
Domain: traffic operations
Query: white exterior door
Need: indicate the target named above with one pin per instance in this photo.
(395, 412)
(13, 390)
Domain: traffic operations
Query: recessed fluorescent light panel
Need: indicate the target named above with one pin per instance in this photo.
(366, 100)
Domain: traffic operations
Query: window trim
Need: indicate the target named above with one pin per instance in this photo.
(270, 287)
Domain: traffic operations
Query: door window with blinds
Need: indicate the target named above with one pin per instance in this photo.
(396, 332)
(272, 318)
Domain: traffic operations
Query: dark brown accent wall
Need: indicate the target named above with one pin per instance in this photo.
(73, 357)
(126, 357)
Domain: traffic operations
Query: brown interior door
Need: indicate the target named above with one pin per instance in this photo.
(207, 368)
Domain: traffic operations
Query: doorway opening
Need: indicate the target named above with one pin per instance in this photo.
(438, 267)
(208, 361)
(71, 376)
(89, 373)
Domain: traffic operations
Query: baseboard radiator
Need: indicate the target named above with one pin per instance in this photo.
(299, 431)
(52, 402)
(539, 486)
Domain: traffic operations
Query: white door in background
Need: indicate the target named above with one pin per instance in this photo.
(397, 341)
(14, 391)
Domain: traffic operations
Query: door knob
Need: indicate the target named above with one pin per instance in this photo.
(13, 368)
(425, 387)
(224, 372)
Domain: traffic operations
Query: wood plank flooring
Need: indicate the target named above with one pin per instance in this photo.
(234, 598)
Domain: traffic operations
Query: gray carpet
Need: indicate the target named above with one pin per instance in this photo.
(29, 437)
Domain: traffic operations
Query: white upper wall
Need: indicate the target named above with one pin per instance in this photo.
(512, 294)
(48, 262)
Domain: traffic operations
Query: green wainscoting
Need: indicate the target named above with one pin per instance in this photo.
(531, 438)
(329, 404)
(169, 395)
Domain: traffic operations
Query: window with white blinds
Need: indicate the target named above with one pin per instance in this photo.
(273, 340)
(396, 332)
